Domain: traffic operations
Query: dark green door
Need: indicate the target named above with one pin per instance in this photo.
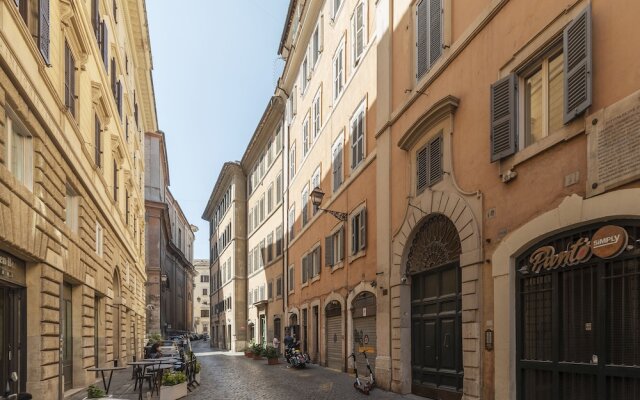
(436, 333)
(12, 331)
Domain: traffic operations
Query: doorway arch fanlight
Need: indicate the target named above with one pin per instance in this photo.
(436, 243)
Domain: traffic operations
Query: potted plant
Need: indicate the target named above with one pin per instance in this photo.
(257, 350)
(271, 354)
(247, 352)
(94, 392)
(174, 386)
(197, 371)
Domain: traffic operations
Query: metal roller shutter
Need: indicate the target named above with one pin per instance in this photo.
(365, 335)
(335, 359)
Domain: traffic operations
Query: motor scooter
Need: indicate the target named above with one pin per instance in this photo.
(295, 358)
(364, 384)
(13, 378)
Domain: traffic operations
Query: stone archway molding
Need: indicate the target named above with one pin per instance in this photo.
(572, 212)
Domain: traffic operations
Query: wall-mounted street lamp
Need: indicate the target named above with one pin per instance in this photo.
(316, 199)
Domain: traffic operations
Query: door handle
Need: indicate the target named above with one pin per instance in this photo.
(446, 340)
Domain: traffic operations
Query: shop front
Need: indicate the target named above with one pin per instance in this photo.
(578, 314)
(566, 305)
(13, 301)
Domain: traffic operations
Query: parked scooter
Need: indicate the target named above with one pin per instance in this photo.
(295, 358)
(364, 384)
(13, 378)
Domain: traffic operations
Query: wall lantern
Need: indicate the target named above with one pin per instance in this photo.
(316, 199)
(488, 340)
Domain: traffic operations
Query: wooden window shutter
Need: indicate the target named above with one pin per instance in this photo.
(98, 142)
(354, 143)
(354, 236)
(341, 244)
(577, 65)
(114, 89)
(119, 99)
(328, 250)
(422, 15)
(421, 169)
(95, 18)
(363, 229)
(67, 67)
(105, 44)
(435, 160)
(305, 269)
(435, 31)
(115, 12)
(503, 118)
(43, 30)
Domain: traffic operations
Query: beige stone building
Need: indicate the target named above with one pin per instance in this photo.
(263, 164)
(201, 297)
(226, 212)
(329, 82)
(169, 251)
(75, 98)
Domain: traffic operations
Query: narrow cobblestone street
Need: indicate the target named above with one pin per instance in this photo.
(231, 376)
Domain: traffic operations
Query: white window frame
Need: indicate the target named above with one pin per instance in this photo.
(304, 75)
(18, 134)
(335, 11)
(355, 57)
(292, 162)
(306, 137)
(360, 109)
(313, 51)
(315, 182)
(316, 113)
(338, 144)
(338, 76)
(304, 210)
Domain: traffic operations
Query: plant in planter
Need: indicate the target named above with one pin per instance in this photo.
(257, 350)
(95, 393)
(271, 354)
(174, 386)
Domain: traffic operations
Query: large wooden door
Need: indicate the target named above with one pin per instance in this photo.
(436, 333)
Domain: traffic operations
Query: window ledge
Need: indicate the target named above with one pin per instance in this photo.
(564, 134)
(359, 254)
(337, 266)
(304, 285)
(315, 279)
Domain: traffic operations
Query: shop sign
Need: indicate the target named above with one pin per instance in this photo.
(608, 242)
(11, 268)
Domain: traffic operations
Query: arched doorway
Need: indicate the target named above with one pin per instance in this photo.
(294, 328)
(364, 330)
(433, 263)
(117, 330)
(333, 312)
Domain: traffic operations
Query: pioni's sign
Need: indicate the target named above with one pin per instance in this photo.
(608, 242)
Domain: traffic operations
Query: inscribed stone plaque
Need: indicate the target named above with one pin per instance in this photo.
(614, 145)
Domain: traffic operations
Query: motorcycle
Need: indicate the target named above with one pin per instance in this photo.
(13, 378)
(295, 358)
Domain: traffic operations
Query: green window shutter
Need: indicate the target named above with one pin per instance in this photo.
(354, 229)
(421, 169)
(43, 30)
(328, 250)
(577, 65)
(305, 269)
(503, 118)
(341, 243)
(435, 160)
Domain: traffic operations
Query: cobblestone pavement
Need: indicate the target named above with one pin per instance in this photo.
(231, 376)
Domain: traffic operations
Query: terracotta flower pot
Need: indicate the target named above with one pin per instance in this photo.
(273, 361)
(248, 354)
(257, 357)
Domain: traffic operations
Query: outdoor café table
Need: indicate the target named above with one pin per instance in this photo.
(102, 370)
(140, 363)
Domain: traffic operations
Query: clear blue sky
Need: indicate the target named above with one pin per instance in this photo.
(215, 66)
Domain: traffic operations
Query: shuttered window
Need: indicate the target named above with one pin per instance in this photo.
(69, 80)
(97, 141)
(334, 247)
(337, 163)
(429, 38)
(357, 138)
(104, 44)
(359, 231)
(358, 32)
(95, 19)
(552, 90)
(429, 163)
(305, 269)
(577, 65)
(115, 181)
(43, 30)
(119, 97)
